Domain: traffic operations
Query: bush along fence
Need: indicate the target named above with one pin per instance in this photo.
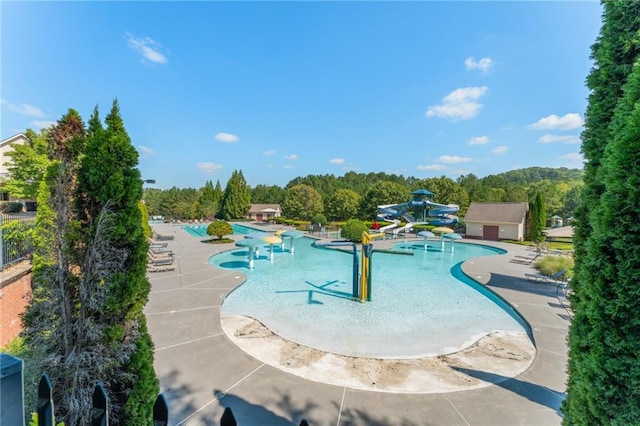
(100, 408)
(16, 238)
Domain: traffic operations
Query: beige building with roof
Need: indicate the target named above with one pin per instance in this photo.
(264, 212)
(7, 146)
(496, 221)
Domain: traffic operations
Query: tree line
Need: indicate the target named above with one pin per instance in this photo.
(357, 195)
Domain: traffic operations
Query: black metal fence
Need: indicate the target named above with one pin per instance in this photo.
(100, 408)
(16, 238)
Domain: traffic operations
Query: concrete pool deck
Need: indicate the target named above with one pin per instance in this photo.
(202, 371)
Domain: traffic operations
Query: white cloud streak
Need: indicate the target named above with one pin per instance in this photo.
(145, 152)
(573, 157)
(461, 104)
(337, 161)
(431, 167)
(478, 140)
(483, 64)
(24, 109)
(549, 138)
(500, 149)
(453, 159)
(147, 47)
(268, 153)
(568, 121)
(209, 167)
(227, 137)
(292, 157)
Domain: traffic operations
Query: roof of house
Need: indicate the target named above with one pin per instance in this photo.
(497, 212)
(264, 208)
(18, 137)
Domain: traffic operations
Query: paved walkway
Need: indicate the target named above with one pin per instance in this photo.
(201, 371)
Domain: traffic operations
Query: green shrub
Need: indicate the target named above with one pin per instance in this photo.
(353, 229)
(319, 218)
(219, 228)
(550, 265)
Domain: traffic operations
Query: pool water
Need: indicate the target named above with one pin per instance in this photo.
(422, 305)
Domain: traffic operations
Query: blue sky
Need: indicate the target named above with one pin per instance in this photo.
(286, 89)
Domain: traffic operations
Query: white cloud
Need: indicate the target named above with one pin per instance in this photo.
(288, 166)
(147, 47)
(453, 159)
(269, 153)
(484, 64)
(24, 109)
(574, 156)
(336, 161)
(478, 140)
(145, 152)
(208, 167)
(566, 122)
(549, 138)
(42, 124)
(500, 149)
(292, 157)
(432, 167)
(461, 104)
(227, 137)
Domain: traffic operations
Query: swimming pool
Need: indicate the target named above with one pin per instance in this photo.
(201, 230)
(422, 305)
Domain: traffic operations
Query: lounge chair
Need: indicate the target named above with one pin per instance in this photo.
(525, 260)
(549, 279)
(160, 268)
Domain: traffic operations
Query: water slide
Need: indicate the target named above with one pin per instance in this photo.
(439, 214)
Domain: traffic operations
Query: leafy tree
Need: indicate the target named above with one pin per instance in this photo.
(571, 200)
(302, 202)
(353, 229)
(267, 194)
(602, 385)
(219, 228)
(319, 218)
(343, 204)
(236, 200)
(382, 193)
(28, 165)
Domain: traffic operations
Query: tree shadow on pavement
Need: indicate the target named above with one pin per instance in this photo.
(533, 392)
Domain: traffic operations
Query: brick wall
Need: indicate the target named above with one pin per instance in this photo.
(15, 293)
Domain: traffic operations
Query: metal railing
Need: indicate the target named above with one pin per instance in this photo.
(16, 239)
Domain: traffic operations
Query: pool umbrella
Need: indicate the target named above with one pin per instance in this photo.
(442, 230)
(425, 235)
(271, 240)
(252, 244)
(293, 234)
(451, 237)
(279, 233)
(257, 236)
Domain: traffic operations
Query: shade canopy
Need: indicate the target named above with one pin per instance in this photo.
(426, 234)
(452, 236)
(279, 232)
(249, 242)
(272, 239)
(442, 230)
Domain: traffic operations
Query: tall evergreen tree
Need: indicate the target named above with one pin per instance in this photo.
(236, 200)
(90, 274)
(604, 386)
(603, 383)
(538, 218)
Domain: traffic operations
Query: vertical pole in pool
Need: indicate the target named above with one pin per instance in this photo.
(250, 257)
(356, 293)
(291, 247)
(370, 259)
